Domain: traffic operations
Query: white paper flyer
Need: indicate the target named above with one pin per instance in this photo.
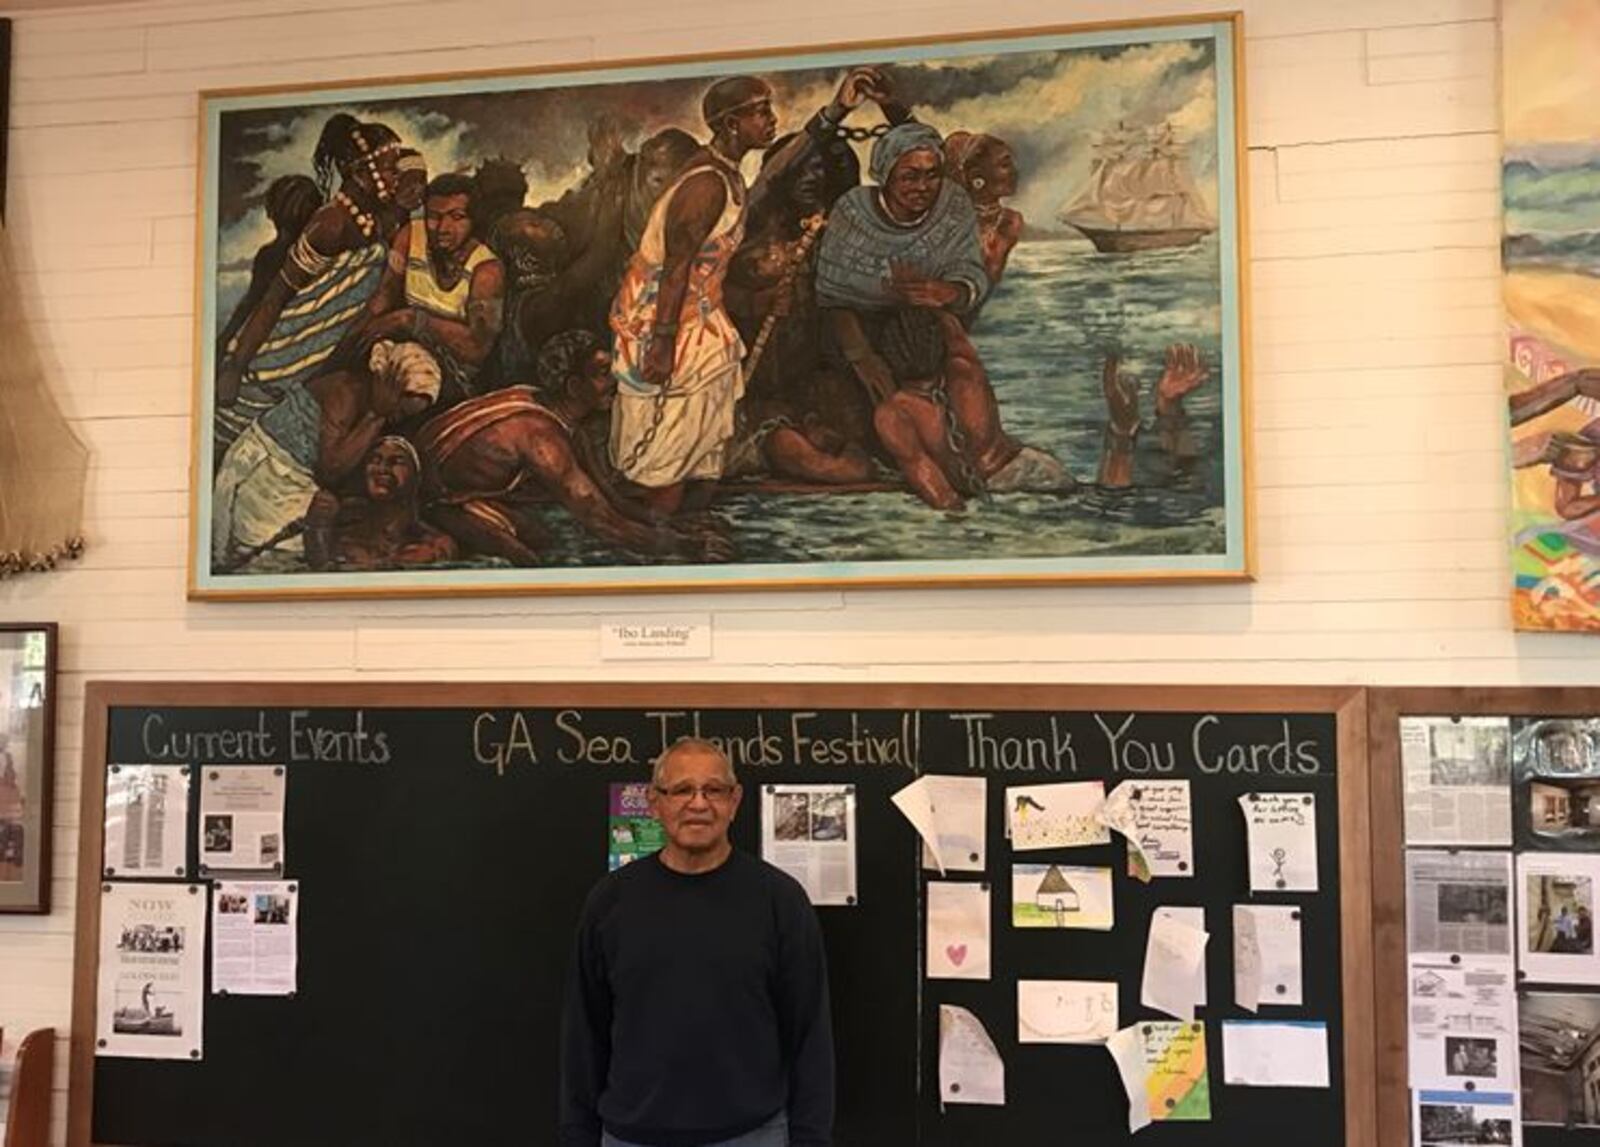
(254, 937)
(241, 818)
(151, 984)
(809, 831)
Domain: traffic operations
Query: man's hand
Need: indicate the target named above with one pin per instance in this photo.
(1185, 372)
(659, 355)
(858, 86)
(1122, 398)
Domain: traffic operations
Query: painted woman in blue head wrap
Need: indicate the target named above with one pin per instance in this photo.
(911, 241)
(901, 269)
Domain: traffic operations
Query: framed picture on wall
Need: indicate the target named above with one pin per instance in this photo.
(963, 311)
(27, 757)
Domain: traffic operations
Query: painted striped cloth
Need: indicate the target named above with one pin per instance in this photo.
(306, 333)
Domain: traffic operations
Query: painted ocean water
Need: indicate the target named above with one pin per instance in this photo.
(1043, 336)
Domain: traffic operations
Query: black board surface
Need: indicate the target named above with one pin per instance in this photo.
(442, 855)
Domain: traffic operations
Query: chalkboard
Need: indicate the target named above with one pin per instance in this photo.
(443, 839)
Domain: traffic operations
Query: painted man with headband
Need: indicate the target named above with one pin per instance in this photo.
(678, 355)
(329, 271)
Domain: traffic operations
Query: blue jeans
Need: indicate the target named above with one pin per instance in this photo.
(773, 1133)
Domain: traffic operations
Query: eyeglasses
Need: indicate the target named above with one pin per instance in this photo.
(715, 792)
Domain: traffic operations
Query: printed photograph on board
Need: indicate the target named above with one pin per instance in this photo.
(1450, 1124)
(272, 908)
(219, 833)
(1562, 916)
(1468, 1056)
(1556, 747)
(1558, 1033)
(910, 312)
(829, 817)
(1555, 917)
(791, 816)
(1556, 767)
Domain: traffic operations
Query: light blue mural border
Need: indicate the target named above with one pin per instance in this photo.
(1232, 562)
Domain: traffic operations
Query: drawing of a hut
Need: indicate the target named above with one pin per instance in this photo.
(1056, 896)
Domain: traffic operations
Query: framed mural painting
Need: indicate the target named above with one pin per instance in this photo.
(1551, 190)
(27, 757)
(966, 311)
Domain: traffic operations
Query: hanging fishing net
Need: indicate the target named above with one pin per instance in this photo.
(42, 462)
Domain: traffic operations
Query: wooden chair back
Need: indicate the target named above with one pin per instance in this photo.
(28, 1118)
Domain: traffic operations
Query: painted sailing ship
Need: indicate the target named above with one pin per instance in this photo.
(1140, 195)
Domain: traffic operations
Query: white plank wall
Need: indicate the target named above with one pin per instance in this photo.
(1376, 334)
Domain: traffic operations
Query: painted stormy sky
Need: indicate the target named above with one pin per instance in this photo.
(1049, 106)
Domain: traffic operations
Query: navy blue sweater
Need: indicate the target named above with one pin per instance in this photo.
(696, 1009)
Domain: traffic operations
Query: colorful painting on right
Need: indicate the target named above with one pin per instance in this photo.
(1551, 189)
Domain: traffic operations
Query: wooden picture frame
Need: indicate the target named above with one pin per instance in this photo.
(1082, 416)
(27, 760)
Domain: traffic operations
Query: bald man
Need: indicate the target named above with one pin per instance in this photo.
(697, 1003)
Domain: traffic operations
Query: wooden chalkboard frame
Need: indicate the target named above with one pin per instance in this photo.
(1346, 704)
(1385, 708)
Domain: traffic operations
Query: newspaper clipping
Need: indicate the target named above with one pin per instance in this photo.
(1457, 779)
(1463, 1024)
(1458, 902)
(147, 820)
(150, 998)
(809, 831)
(241, 818)
(254, 950)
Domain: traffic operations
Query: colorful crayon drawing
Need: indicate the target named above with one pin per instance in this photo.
(1177, 1079)
(1061, 896)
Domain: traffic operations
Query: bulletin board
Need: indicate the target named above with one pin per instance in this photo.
(443, 837)
(1388, 708)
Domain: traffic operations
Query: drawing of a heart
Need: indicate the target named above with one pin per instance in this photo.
(957, 953)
